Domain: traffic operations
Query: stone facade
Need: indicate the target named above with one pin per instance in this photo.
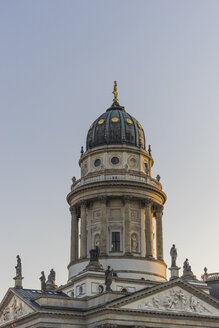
(117, 215)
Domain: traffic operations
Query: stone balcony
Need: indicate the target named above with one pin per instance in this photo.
(211, 276)
(116, 177)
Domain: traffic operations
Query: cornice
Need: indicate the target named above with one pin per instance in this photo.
(118, 184)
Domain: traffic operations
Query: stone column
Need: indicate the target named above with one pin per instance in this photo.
(103, 226)
(159, 232)
(149, 229)
(74, 234)
(127, 225)
(83, 253)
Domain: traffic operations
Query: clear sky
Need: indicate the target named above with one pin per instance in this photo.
(58, 61)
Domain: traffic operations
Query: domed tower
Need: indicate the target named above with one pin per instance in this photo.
(116, 204)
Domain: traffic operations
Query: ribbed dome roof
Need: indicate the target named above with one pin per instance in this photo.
(115, 127)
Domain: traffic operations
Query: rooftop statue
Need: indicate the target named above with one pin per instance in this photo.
(115, 92)
(52, 276)
(173, 254)
(43, 282)
(108, 279)
(18, 267)
(94, 254)
(50, 284)
(186, 267)
(94, 263)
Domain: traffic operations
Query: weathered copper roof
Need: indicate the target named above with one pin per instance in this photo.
(114, 127)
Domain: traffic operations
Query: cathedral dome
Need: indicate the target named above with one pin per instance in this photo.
(115, 127)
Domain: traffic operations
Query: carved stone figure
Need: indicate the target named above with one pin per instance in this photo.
(193, 304)
(43, 282)
(73, 179)
(18, 268)
(50, 284)
(94, 254)
(149, 150)
(134, 243)
(6, 314)
(108, 279)
(173, 254)
(52, 276)
(186, 267)
(158, 177)
(175, 300)
(17, 308)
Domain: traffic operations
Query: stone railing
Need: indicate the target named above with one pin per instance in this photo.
(116, 177)
(211, 276)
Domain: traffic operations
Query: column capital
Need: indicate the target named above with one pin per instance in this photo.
(159, 209)
(72, 209)
(148, 202)
(127, 198)
(83, 204)
(103, 199)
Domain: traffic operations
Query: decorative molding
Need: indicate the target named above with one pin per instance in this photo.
(14, 310)
(174, 300)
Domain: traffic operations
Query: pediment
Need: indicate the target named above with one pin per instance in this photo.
(13, 308)
(174, 299)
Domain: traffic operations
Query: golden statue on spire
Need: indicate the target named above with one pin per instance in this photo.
(115, 92)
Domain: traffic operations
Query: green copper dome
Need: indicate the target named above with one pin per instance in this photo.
(115, 127)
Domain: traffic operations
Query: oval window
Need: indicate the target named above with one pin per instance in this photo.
(97, 162)
(129, 121)
(101, 121)
(115, 160)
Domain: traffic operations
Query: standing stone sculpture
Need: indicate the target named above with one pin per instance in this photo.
(18, 267)
(43, 282)
(108, 279)
(50, 284)
(173, 254)
(18, 278)
(174, 269)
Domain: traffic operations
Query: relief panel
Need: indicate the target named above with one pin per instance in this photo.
(14, 310)
(174, 299)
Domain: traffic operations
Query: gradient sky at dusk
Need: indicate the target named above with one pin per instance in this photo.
(58, 61)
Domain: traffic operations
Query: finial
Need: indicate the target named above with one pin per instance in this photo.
(115, 92)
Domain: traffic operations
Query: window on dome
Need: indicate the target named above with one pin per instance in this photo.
(115, 160)
(97, 162)
(115, 241)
